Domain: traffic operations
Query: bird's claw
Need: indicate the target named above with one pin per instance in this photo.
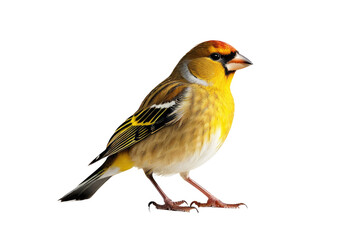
(217, 203)
(173, 206)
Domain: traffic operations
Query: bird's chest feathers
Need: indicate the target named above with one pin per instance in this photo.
(225, 116)
(196, 137)
(211, 116)
(218, 111)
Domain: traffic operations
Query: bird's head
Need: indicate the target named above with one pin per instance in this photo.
(211, 63)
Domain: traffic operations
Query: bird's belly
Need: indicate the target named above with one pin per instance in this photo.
(174, 157)
(191, 160)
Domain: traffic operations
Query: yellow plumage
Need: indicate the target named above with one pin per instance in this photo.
(162, 153)
(179, 125)
(122, 162)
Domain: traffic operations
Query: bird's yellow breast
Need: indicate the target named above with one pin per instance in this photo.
(206, 121)
(214, 107)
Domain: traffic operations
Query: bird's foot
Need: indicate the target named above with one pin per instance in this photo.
(172, 206)
(214, 202)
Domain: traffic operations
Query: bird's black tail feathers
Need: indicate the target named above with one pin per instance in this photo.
(88, 187)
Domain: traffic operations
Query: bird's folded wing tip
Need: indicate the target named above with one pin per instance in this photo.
(95, 160)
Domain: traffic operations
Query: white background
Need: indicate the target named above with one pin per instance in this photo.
(72, 71)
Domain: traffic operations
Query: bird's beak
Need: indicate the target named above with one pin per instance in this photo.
(238, 62)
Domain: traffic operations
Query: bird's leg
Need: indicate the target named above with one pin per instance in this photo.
(212, 200)
(168, 203)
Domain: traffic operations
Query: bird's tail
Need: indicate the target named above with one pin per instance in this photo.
(113, 165)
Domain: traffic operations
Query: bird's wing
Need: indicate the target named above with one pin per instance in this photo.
(148, 119)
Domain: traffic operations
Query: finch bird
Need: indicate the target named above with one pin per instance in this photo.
(180, 124)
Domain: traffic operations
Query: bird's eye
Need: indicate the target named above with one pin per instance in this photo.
(215, 56)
